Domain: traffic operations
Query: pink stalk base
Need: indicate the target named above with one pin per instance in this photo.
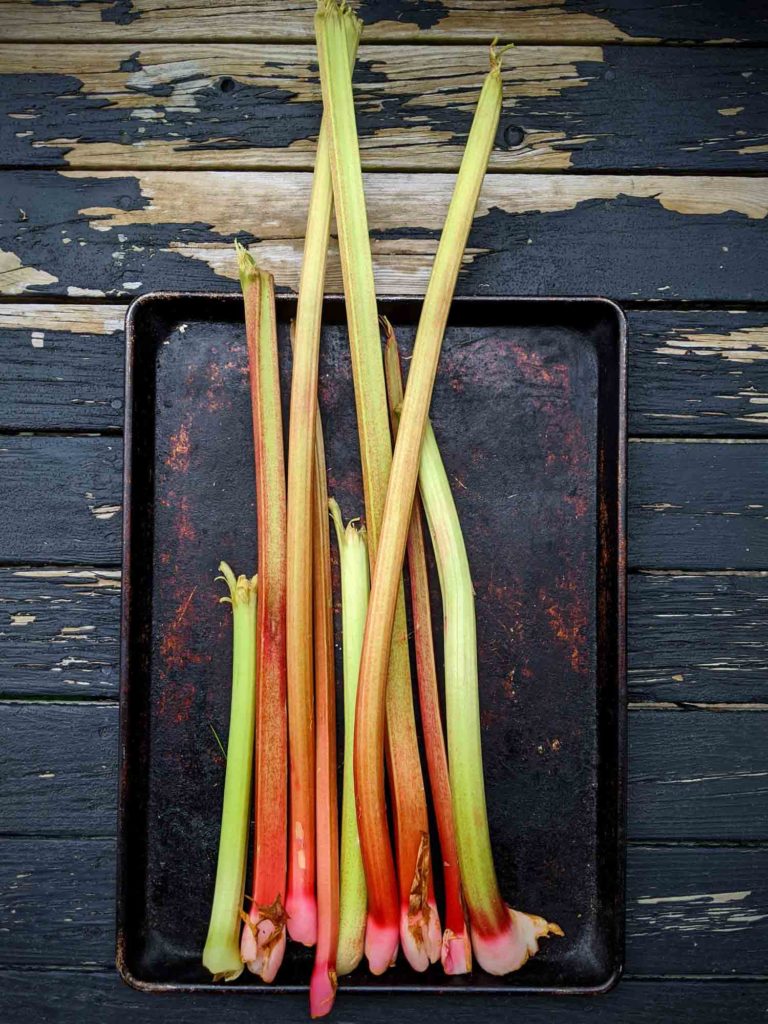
(509, 948)
(322, 989)
(381, 943)
(262, 944)
(421, 935)
(301, 909)
(456, 953)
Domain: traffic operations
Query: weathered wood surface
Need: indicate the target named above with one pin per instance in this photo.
(258, 107)
(698, 504)
(698, 638)
(692, 505)
(693, 639)
(96, 997)
(690, 910)
(700, 372)
(691, 372)
(693, 774)
(118, 233)
(625, 21)
(61, 499)
(59, 632)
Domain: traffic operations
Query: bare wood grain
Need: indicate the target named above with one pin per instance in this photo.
(257, 107)
(396, 20)
(117, 233)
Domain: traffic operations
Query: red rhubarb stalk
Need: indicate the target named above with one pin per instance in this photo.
(263, 938)
(393, 908)
(300, 903)
(456, 951)
(502, 938)
(322, 986)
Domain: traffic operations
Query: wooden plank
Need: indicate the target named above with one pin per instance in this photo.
(693, 774)
(693, 639)
(690, 909)
(691, 372)
(117, 233)
(257, 107)
(698, 775)
(59, 769)
(93, 997)
(59, 632)
(698, 505)
(397, 20)
(692, 505)
(70, 886)
(698, 638)
(697, 910)
(61, 367)
(697, 373)
(60, 499)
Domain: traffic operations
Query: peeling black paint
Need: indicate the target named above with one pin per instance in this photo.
(637, 109)
(625, 247)
(121, 12)
(423, 13)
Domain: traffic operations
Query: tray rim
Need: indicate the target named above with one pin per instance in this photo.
(152, 298)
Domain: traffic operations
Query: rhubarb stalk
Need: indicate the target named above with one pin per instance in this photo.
(387, 566)
(502, 938)
(263, 938)
(322, 986)
(456, 951)
(355, 583)
(300, 903)
(408, 910)
(222, 950)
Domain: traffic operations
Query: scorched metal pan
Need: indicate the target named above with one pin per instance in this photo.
(529, 411)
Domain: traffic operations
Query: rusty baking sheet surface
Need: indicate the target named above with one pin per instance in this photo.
(529, 412)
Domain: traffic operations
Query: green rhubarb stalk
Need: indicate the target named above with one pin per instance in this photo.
(222, 947)
(456, 951)
(393, 909)
(388, 563)
(355, 583)
(263, 938)
(322, 985)
(502, 938)
(301, 906)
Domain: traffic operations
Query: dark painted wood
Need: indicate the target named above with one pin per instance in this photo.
(698, 505)
(698, 372)
(691, 505)
(698, 637)
(64, 889)
(99, 997)
(555, 20)
(692, 638)
(254, 107)
(690, 910)
(61, 498)
(59, 632)
(61, 367)
(693, 775)
(120, 233)
(691, 373)
(698, 775)
(59, 769)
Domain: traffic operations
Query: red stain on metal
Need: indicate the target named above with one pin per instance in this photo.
(185, 530)
(179, 449)
(567, 618)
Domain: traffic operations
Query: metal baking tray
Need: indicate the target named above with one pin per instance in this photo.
(529, 411)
